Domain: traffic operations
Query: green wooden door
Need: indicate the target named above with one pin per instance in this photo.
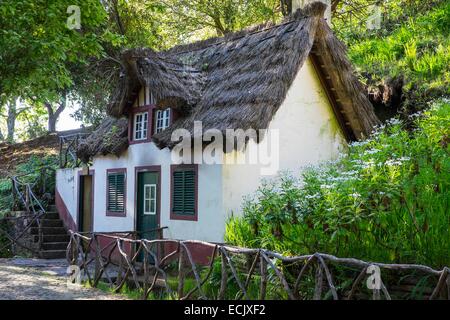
(148, 204)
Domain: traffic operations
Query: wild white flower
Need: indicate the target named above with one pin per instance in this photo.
(326, 186)
(394, 135)
(394, 121)
(350, 173)
(393, 162)
(355, 195)
(338, 179)
(415, 115)
(372, 151)
(358, 143)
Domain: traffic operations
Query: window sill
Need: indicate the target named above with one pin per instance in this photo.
(174, 216)
(116, 214)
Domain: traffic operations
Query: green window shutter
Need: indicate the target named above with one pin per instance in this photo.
(183, 197)
(116, 192)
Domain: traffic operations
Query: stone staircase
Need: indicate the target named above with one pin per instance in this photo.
(55, 236)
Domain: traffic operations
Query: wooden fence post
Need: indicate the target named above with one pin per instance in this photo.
(224, 277)
(263, 285)
(181, 273)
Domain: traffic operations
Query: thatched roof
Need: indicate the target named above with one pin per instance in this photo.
(111, 137)
(240, 81)
(173, 82)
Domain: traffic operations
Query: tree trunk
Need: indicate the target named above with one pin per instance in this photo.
(11, 121)
(53, 116)
(51, 125)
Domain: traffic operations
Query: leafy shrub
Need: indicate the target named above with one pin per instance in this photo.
(28, 172)
(387, 200)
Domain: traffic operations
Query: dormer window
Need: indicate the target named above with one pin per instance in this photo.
(140, 126)
(162, 119)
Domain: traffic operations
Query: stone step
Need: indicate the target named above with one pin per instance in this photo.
(49, 230)
(50, 223)
(53, 208)
(53, 238)
(51, 215)
(55, 245)
(53, 254)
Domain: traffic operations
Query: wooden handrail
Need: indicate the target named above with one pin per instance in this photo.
(23, 191)
(68, 145)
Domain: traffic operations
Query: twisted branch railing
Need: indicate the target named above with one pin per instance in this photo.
(291, 275)
(24, 197)
(68, 146)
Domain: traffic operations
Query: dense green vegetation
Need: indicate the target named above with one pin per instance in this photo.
(416, 49)
(28, 172)
(387, 199)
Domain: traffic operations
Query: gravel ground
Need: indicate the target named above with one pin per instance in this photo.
(34, 279)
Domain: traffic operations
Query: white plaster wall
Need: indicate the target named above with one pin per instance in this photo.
(309, 134)
(67, 186)
(210, 225)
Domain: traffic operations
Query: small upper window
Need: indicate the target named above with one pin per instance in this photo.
(140, 126)
(162, 120)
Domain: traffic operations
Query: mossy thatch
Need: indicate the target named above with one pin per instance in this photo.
(111, 137)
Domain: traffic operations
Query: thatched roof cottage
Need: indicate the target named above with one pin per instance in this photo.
(290, 83)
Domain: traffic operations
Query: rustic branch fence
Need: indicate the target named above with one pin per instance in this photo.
(149, 265)
(25, 198)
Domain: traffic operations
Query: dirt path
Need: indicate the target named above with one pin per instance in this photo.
(33, 279)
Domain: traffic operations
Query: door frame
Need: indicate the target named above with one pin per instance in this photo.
(80, 175)
(152, 169)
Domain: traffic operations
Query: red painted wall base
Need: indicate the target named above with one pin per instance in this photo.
(64, 213)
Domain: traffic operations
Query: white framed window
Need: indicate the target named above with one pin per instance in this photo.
(150, 199)
(162, 120)
(140, 126)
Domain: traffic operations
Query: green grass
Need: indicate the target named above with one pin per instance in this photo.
(136, 294)
(417, 49)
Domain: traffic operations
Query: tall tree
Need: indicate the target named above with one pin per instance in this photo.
(37, 46)
(219, 16)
